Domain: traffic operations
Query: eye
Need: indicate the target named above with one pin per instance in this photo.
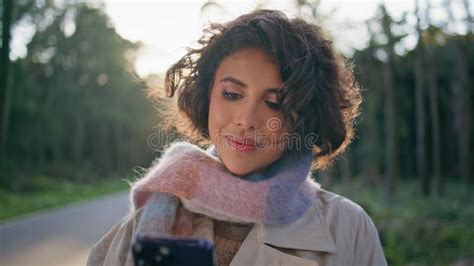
(273, 105)
(231, 95)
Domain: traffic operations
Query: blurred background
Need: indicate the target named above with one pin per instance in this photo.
(76, 123)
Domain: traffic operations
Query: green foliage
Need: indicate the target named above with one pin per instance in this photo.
(371, 127)
(77, 108)
(434, 233)
(415, 230)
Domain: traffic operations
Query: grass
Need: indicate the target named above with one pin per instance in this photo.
(415, 230)
(45, 192)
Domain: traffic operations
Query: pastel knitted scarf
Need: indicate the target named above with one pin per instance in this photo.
(188, 181)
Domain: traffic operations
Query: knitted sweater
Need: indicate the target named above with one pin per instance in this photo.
(227, 239)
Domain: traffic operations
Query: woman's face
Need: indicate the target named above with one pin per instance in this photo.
(245, 123)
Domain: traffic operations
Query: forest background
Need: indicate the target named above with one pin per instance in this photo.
(75, 122)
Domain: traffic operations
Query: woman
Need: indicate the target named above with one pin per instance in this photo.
(274, 101)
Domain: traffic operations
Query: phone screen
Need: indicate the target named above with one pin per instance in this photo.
(172, 251)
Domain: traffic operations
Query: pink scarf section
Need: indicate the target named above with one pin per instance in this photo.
(191, 176)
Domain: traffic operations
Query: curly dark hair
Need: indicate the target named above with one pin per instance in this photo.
(318, 85)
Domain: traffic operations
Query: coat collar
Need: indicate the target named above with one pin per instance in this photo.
(310, 232)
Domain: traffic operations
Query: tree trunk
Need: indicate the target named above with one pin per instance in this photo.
(420, 124)
(391, 151)
(469, 20)
(420, 111)
(4, 74)
(78, 141)
(465, 153)
(434, 116)
(435, 130)
(462, 108)
(391, 123)
(372, 164)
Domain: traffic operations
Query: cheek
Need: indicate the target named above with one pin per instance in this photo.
(275, 128)
(217, 118)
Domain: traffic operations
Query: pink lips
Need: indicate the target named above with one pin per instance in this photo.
(244, 147)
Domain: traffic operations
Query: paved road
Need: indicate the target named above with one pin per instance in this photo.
(61, 236)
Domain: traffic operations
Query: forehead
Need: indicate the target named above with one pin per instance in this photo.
(252, 66)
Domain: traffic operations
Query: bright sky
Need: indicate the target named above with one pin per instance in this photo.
(168, 27)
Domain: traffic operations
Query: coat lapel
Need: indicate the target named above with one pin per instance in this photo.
(310, 232)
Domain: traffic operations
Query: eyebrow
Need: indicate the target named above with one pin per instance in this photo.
(242, 84)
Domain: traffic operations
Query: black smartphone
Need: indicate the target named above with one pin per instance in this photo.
(172, 251)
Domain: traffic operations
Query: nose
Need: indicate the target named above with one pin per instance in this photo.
(247, 117)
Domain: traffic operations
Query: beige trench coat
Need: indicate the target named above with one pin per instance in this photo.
(334, 231)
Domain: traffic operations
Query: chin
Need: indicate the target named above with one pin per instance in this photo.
(239, 171)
